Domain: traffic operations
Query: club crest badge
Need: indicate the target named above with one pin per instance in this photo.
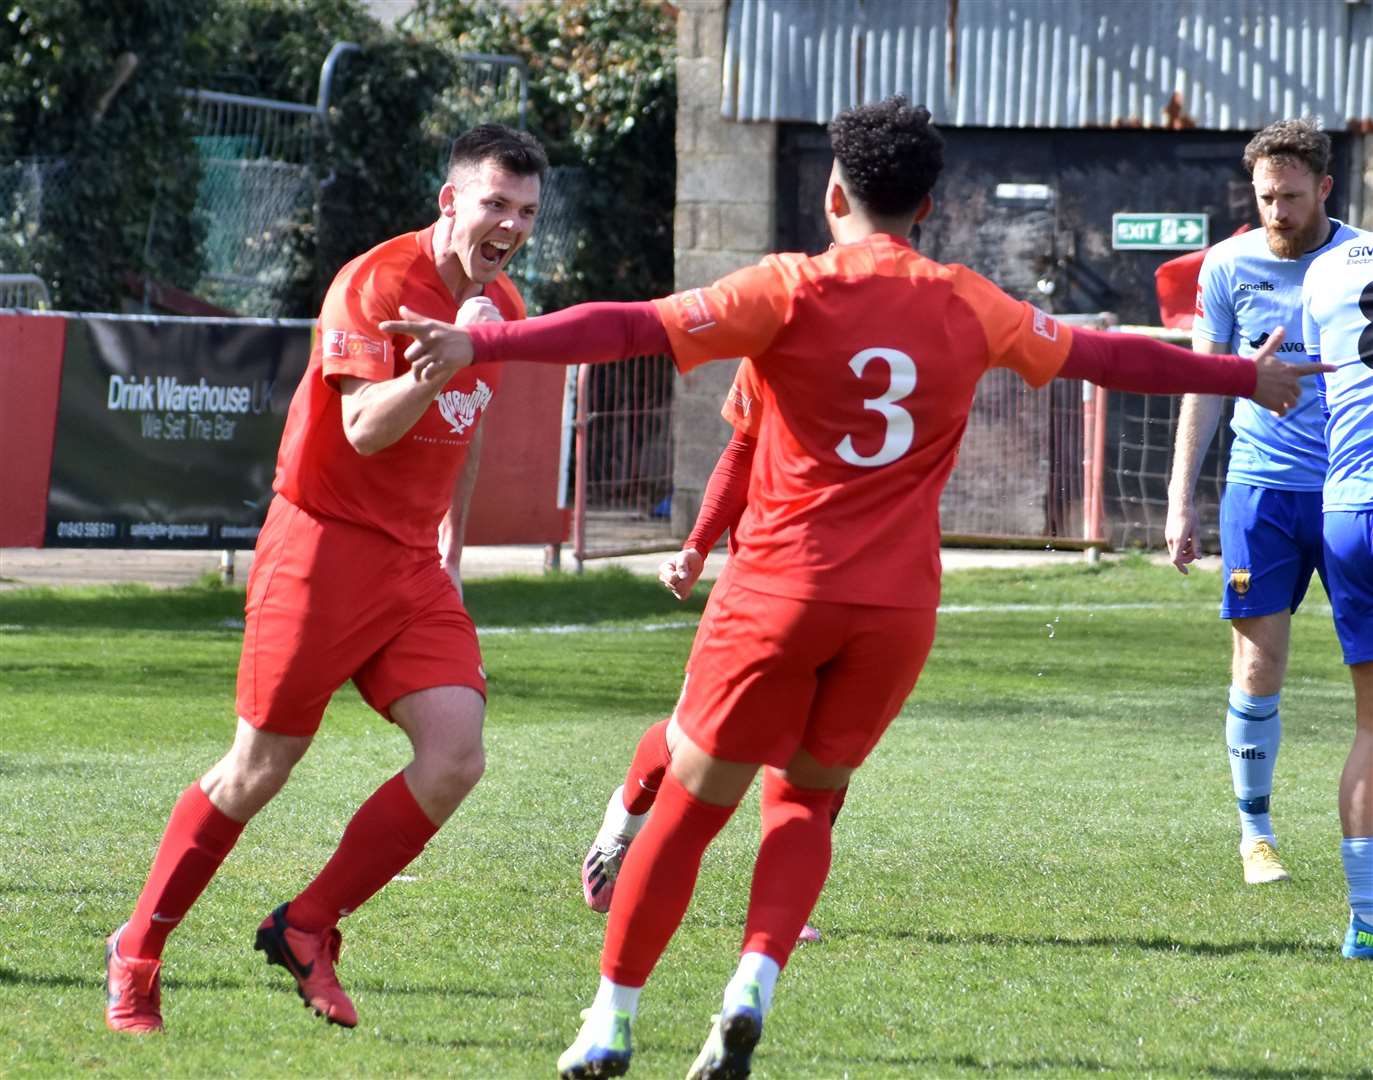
(461, 408)
(1239, 580)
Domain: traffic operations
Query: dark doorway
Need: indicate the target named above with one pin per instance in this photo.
(1047, 236)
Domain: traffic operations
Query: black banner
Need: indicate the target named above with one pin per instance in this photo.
(167, 431)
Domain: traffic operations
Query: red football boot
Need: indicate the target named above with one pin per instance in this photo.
(310, 957)
(133, 998)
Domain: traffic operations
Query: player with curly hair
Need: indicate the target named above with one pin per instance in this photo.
(867, 358)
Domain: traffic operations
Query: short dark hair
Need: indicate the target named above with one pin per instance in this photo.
(890, 154)
(1291, 142)
(514, 151)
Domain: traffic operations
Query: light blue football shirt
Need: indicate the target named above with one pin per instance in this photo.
(1337, 305)
(1243, 294)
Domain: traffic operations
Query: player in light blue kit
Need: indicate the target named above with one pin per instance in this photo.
(1337, 302)
(1270, 514)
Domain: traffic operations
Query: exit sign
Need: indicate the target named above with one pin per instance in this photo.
(1159, 232)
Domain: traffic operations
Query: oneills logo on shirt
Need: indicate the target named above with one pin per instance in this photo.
(460, 407)
(740, 402)
(695, 312)
(1045, 327)
(1239, 580)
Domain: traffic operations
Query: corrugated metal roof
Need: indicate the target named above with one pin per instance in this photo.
(1229, 65)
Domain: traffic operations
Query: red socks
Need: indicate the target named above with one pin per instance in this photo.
(656, 881)
(647, 770)
(793, 862)
(386, 834)
(197, 840)
(838, 803)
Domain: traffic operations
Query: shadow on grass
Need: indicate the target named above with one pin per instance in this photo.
(612, 593)
(127, 607)
(1312, 950)
(382, 987)
(96, 977)
(952, 1064)
(437, 1042)
(11, 977)
(602, 595)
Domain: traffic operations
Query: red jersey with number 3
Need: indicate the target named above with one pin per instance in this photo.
(405, 489)
(866, 360)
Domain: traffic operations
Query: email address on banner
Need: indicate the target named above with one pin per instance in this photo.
(146, 530)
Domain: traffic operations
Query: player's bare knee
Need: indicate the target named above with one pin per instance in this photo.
(466, 770)
(452, 769)
(1259, 662)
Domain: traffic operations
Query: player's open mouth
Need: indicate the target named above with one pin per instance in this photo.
(495, 251)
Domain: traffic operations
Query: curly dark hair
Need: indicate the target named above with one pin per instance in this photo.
(514, 151)
(890, 154)
(1290, 142)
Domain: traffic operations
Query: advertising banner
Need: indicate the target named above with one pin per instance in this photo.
(167, 430)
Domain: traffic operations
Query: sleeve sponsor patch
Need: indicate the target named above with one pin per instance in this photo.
(693, 313)
(351, 344)
(1044, 326)
(1200, 309)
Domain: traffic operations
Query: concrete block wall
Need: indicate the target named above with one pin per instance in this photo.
(725, 219)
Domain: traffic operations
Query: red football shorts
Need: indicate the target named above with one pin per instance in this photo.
(329, 601)
(769, 674)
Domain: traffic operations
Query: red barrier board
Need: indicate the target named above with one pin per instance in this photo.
(30, 378)
(92, 456)
(517, 484)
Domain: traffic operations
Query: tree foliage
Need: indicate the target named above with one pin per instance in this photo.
(88, 96)
(602, 94)
(95, 85)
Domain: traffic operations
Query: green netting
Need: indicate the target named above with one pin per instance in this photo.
(247, 208)
(544, 267)
(25, 188)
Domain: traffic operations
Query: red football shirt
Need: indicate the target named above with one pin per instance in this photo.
(743, 407)
(404, 490)
(867, 359)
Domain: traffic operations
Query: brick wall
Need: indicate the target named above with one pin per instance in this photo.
(725, 219)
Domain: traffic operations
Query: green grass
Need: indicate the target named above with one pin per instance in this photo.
(1035, 873)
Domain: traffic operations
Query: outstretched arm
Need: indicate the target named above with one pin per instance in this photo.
(1145, 366)
(585, 334)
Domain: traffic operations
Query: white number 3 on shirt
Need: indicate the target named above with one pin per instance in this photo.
(900, 427)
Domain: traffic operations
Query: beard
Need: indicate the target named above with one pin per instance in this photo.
(1294, 243)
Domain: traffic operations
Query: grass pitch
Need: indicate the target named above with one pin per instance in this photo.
(1035, 873)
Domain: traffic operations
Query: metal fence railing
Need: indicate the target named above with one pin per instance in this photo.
(259, 180)
(24, 291)
(623, 461)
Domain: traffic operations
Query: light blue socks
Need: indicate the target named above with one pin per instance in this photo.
(1357, 853)
(1253, 731)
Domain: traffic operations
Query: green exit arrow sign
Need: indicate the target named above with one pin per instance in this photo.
(1160, 232)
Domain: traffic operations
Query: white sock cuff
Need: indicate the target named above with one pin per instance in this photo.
(614, 997)
(760, 968)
